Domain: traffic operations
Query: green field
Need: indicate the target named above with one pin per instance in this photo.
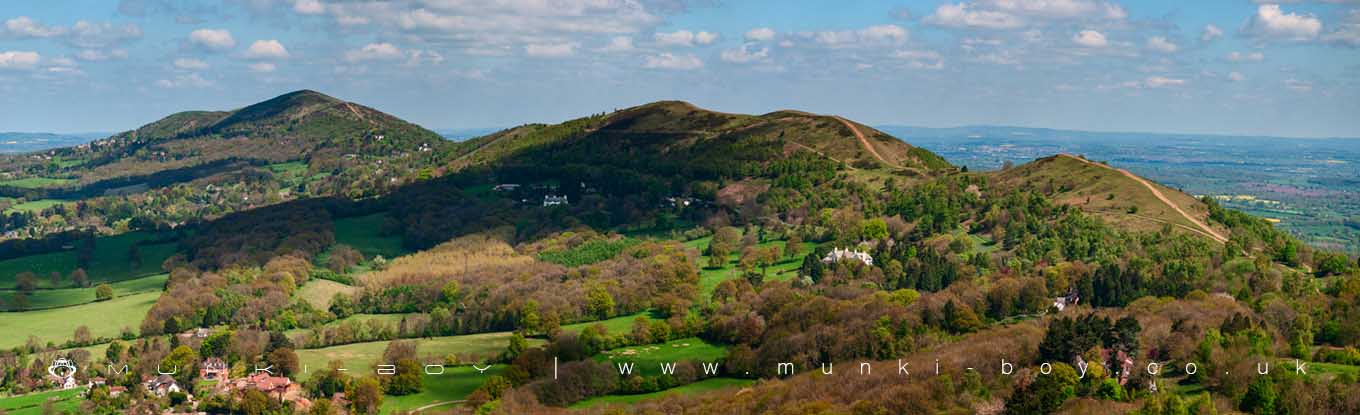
(648, 358)
(454, 385)
(32, 206)
(31, 404)
(110, 262)
(706, 385)
(616, 325)
(392, 319)
(709, 278)
(360, 357)
(319, 292)
(63, 297)
(105, 319)
(364, 234)
(35, 182)
(293, 168)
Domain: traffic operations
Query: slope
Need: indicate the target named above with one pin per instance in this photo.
(676, 128)
(1114, 194)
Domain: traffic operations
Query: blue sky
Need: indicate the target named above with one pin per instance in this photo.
(1204, 66)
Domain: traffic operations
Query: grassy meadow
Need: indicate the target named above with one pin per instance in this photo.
(360, 357)
(364, 234)
(648, 358)
(110, 262)
(65, 297)
(454, 385)
(32, 404)
(104, 319)
(706, 385)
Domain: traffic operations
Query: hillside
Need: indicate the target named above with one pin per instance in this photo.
(1115, 195)
(676, 129)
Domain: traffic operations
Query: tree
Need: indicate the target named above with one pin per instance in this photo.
(367, 397)
(599, 302)
(82, 336)
(516, 346)
(79, 278)
(408, 380)
(528, 317)
(874, 229)
(183, 361)
(793, 246)
(1260, 397)
(1046, 393)
(54, 278)
(103, 292)
(717, 256)
(284, 360)
(25, 282)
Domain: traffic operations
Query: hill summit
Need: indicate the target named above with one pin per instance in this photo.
(676, 128)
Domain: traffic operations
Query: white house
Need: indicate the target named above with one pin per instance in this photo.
(838, 255)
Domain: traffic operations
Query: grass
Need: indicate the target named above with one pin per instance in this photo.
(35, 182)
(648, 358)
(319, 292)
(361, 357)
(34, 205)
(104, 319)
(64, 297)
(456, 383)
(709, 278)
(294, 168)
(364, 234)
(392, 319)
(616, 325)
(31, 404)
(108, 263)
(706, 385)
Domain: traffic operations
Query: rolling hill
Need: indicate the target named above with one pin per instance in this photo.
(676, 130)
(1114, 195)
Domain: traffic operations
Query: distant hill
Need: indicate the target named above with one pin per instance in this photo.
(327, 134)
(24, 142)
(1115, 195)
(678, 130)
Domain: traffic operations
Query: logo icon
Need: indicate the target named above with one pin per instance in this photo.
(62, 368)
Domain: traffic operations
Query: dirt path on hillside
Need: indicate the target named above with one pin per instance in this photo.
(1203, 228)
(865, 142)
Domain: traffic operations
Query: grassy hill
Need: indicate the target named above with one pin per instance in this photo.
(1112, 194)
(682, 130)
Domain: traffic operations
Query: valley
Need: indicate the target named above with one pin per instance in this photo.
(326, 239)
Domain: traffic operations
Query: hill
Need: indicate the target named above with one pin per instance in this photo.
(1113, 194)
(676, 129)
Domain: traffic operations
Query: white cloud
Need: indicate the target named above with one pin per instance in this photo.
(1210, 33)
(266, 49)
(671, 61)
(618, 44)
(1246, 57)
(1162, 45)
(97, 55)
(309, 7)
(192, 80)
(965, 15)
(190, 64)
(1348, 32)
(869, 36)
(1270, 22)
(375, 51)
(1011, 14)
(920, 59)
(760, 34)
(685, 38)
(1236, 76)
(1090, 38)
(1162, 82)
(1297, 85)
(98, 35)
(745, 54)
(550, 50)
(24, 27)
(261, 67)
(12, 59)
(213, 39)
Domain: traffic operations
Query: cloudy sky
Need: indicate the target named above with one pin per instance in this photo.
(1203, 66)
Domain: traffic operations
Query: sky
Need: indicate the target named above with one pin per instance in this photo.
(1238, 67)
